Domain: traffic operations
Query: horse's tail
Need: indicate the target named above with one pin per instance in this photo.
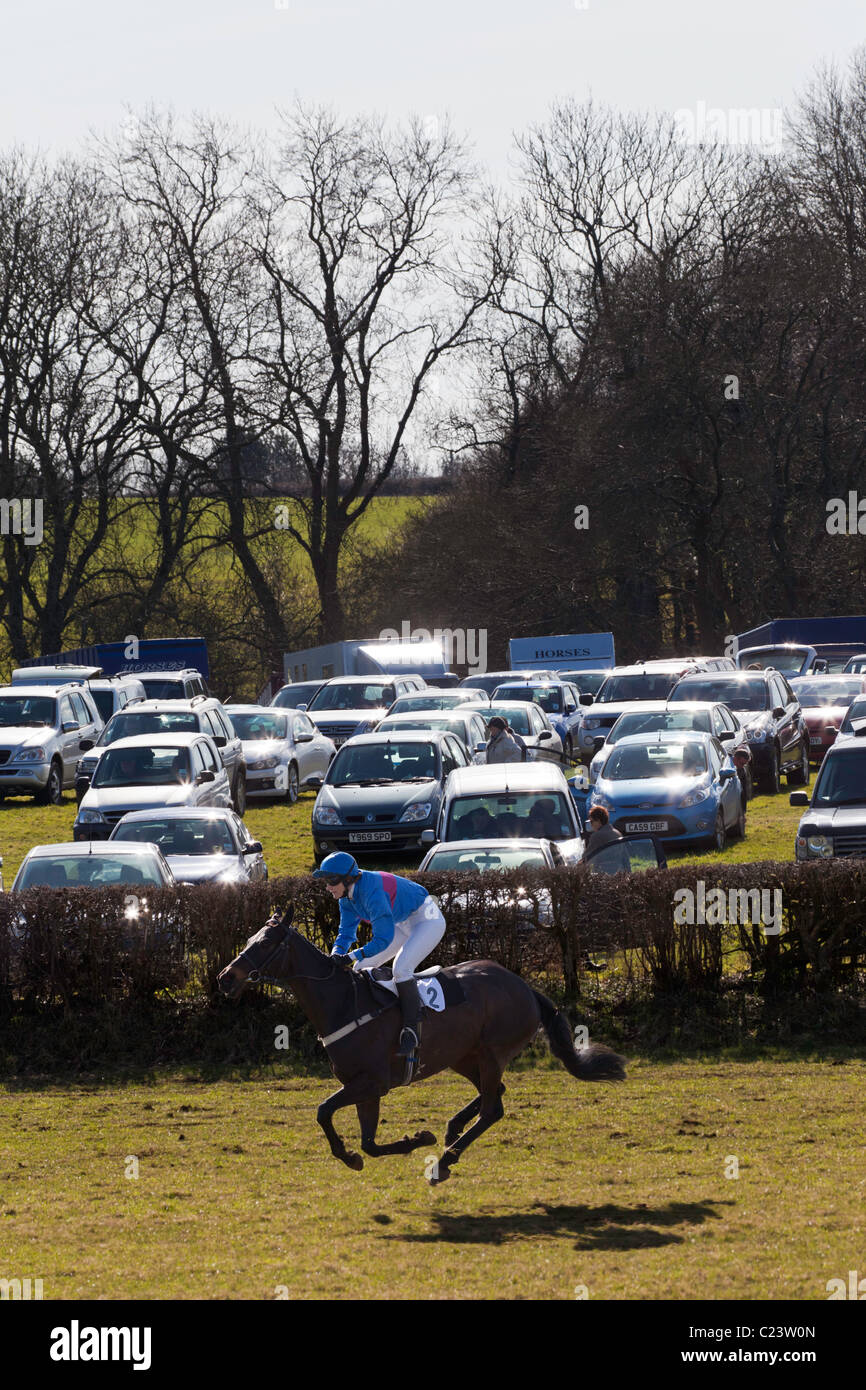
(592, 1063)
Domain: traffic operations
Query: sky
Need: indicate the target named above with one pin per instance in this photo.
(491, 66)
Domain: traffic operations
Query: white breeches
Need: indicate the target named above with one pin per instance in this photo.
(414, 938)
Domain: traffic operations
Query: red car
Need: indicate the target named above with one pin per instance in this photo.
(824, 700)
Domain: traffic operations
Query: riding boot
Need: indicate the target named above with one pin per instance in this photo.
(410, 1004)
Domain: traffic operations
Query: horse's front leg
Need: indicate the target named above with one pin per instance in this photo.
(368, 1116)
(359, 1090)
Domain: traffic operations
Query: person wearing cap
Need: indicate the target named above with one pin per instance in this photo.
(406, 925)
(502, 746)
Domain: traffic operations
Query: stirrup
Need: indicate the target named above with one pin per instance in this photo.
(402, 1046)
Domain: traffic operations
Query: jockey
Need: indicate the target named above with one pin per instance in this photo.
(406, 924)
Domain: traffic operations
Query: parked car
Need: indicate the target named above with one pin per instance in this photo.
(151, 770)
(623, 686)
(855, 714)
(490, 679)
(660, 717)
(791, 658)
(834, 825)
(484, 856)
(173, 685)
(533, 725)
(824, 701)
(383, 791)
(770, 713)
(200, 845)
(300, 693)
(855, 665)
(463, 721)
(349, 705)
(282, 748)
(681, 787)
(41, 732)
(511, 801)
(436, 700)
(83, 866)
(203, 714)
(559, 700)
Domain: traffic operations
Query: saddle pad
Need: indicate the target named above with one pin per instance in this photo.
(437, 989)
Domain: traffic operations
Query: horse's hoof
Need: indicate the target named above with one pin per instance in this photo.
(440, 1176)
(424, 1136)
(353, 1161)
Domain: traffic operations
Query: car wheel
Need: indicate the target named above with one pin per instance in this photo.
(720, 834)
(292, 784)
(52, 793)
(800, 777)
(772, 782)
(239, 795)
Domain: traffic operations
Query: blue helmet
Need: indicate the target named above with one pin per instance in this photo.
(338, 868)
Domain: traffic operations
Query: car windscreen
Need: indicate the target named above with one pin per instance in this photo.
(517, 718)
(180, 834)
(855, 712)
(787, 660)
(479, 861)
(370, 696)
(409, 704)
(737, 694)
(433, 721)
(129, 725)
(151, 767)
(159, 688)
(842, 779)
(96, 869)
(35, 710)
(257, 727)
(812, 694)
(639, 762)
(587, 682)
(660, 721)
(486, 683)
(295, 695)
(371, 764)
(646, 686)
(507, 815)
(549, 697)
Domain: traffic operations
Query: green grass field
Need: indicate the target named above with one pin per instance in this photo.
(771, 825)
(614, 1193)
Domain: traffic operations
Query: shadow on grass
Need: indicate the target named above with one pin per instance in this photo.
(609, 1227)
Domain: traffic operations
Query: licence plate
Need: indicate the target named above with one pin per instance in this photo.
(816, 738)
(363, 837)
(633, 826)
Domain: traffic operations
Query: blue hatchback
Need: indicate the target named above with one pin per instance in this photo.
(682, 787)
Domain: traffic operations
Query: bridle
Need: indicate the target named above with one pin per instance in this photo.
(256, 975)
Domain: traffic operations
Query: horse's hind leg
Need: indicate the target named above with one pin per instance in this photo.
(490, 1110)
(368, 1115)
(458, 1122)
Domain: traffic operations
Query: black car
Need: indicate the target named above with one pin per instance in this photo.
(770, 713)
(383, 790)
(834, 824)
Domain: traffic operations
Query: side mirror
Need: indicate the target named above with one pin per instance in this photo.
(206, 776)
(254, 848)
(545, 733)
(799, 798)
(315, 783)
(831, 729)
(304, 738)
(727, 773)
(587, 700)
(480, 747)
(301, 706)
(726, 735)
(85, 744)
(428, 837)
(219, 740)
(598, 742)
(779, 712)
(70, 726)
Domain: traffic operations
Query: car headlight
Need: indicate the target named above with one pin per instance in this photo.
(261, 763)
(599, 799)
(325, 815)
(592, 723)
(820, 845)
(699, 794)
(30, 755)
(757, 734)
(90, 817)
(420, 811)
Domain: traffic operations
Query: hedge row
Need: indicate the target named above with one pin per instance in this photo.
(87, 946)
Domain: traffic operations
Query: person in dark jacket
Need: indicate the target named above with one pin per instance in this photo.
(502, 746)
(602, 832)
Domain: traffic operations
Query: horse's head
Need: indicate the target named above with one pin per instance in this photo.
(264, 951)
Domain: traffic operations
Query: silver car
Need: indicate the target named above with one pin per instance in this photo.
(283, 750)
(89, 866)
(41, 730)
(150, 771)
(200, 845)
(532, 723)
(467, 724)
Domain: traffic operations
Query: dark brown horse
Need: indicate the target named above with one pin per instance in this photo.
(477, 1038)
